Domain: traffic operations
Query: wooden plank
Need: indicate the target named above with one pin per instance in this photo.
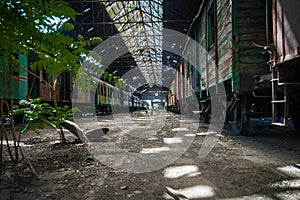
(251, 29)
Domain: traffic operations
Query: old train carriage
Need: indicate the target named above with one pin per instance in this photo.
(285, 62)
(37, 87)
(171, 99)
(14, 84)
(235, 38)
(109, 98)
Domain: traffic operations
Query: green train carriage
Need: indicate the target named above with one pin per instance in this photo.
(14, 83)
(236, 38)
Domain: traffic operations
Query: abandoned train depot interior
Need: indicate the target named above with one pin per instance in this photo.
(150, 99)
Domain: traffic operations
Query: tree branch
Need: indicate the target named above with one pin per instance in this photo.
(47, 83)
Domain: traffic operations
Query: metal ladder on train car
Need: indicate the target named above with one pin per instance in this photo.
(285, 101)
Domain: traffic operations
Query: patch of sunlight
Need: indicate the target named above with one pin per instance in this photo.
(196, 111)
(290, 195)
(179, 171)
(55, 142)
(290, 170)
(174, 140)
(154, 150)
(193, 174)
(190, 135)
(252, 197)
(141, 119)
(179, 129)
(152, 138)
(287, 184)
(21, 144)
(198, 191)
(206, 133)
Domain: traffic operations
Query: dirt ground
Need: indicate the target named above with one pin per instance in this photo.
(261, 165)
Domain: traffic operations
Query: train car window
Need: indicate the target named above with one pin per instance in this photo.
(99, 89)
(110, 92)
(105, 94)
(65, 80)
(102, 90)
(211, 26)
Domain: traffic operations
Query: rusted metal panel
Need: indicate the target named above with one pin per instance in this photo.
(235, 82)
(286, 20)
(179, 82)
(224, 39)
(220, 53)
(203, 53)
(171, 94)
(45, 92)
(211, 49)
(189, 69)
(81, 96)
(177, 87)
(240, 24)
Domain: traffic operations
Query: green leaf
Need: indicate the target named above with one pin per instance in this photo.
(116, 80)
(67, 27)
(105, 75)
(110, 77)
(26, 128)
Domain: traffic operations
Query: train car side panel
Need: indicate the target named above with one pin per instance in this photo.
(287, 32)
(251, 25)
(19, 79)
(224, 36)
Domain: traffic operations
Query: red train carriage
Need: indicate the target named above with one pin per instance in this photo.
(285, 62)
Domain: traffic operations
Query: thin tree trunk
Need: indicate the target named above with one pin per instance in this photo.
(8, 147)
(19, 138)
(13, 129)
(62, 135)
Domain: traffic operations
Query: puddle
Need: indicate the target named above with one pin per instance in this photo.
(179, 171)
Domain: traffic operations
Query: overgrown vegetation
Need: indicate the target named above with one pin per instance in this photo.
(37, 29)
(33, 28)
(37, 115)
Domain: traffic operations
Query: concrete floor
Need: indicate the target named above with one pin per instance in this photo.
(177, 157)
(161, 155)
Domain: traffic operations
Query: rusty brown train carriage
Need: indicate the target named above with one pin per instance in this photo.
(237, 37)
(285, 61)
